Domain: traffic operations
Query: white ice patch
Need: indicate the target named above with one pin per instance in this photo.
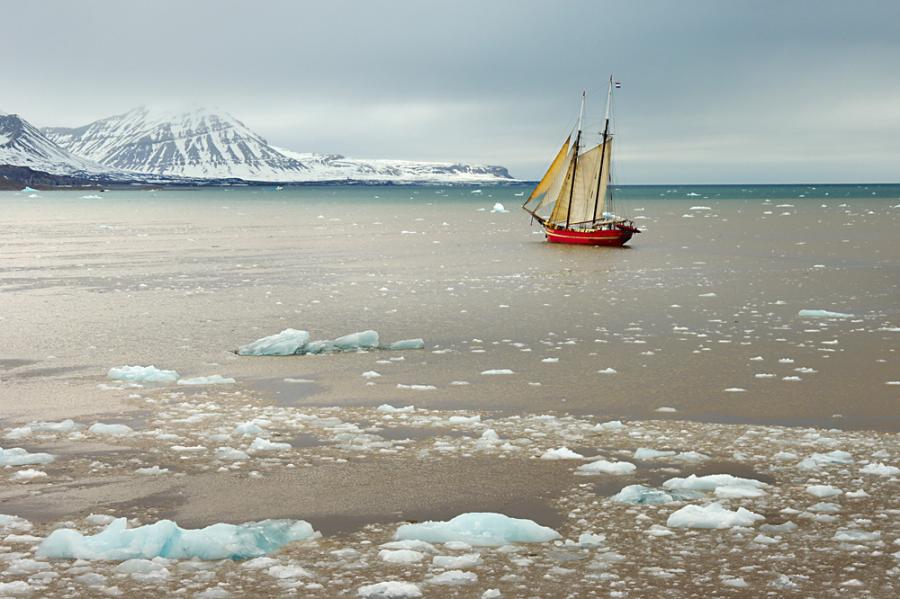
(711, 516)
(497, 371)
(453, 578)
(713, 482)
(260, 444)
(499, 208)
(112, 430)
(639, 494)
(16, 456)
(605, 467)
(389, 589)
(166, 539)
(400, 556)
(142, 374)
(823, 490)
(215, 379)
(479, 528)
(291, 342)
(880, 469)
(822, 314)
(27, 475)
(561, 453)
(818, 460)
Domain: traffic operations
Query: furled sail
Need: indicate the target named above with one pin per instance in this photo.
(578, 194)
(551, 173)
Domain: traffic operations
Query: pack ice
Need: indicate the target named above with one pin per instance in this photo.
(478, 528)
(167, 539)
(295, 342)
(711, 516)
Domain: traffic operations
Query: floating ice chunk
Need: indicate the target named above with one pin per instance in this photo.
(666, 409)
(27, 475)
(286, 343)
(612, 425)
(16, 588)
(645, 453)
(248, 428)
(711, 482)
(231, 454)
(710, 294)
(497, 371)
(738, 492)
(456, 562)
(63, 426)
(605, 467)
(14, 523)
(690, 456)
(28, 189)
(479, 528)
(818, 460)
(493, 593)
(390, 589)
(822, 314)
(735, 390)
(640, 494)
(845, 535)
(823, 490)
(166, 539)
(355, 341)
(734, 581)
(152, 471)
(416, 387)
(16, 456)
(112, 430)
(371, 374)
(410, 544)
(260, 444)
(142, 374)
(588, 539)
(405, 344)
(561, 453)
(453, 578)
(880, 469)
(608, 371)
(711, 516)
(698, 207)
(400, 556)
(389, 409)
(215, 379)
(825, 507)
(550, 360)
(498, 207)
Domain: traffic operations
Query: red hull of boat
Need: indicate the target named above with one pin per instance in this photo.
(610, 237)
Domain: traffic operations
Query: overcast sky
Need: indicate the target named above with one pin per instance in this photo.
(713, 91)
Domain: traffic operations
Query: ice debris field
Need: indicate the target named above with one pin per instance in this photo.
(716, 509)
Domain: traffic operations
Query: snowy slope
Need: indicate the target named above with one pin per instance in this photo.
(214, 145)
(334, 167)
(22, 144)
(196, 143)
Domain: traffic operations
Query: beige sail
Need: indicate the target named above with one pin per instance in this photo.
(551, 173)
(551, 198)
(577, 198)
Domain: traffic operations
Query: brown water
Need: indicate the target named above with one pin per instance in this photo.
(180, 278)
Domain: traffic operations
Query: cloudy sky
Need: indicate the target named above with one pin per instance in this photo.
(713, 91)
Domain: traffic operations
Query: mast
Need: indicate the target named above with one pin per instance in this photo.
(601, 174)
(575, 160)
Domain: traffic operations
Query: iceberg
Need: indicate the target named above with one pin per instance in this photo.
(561, 453)
(142, 374)
(478, 528)
(822, 314)
(286, 343)
(166, 539)
(16, 456)
(294, 342)
(499, 208)
(711, 516)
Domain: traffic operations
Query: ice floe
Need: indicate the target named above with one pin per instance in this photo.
(390, 589)
(215, 379)
(605, 467)
(17, 456)
(822, 314)
(291, 342)
(142, 374)
(478, 528)
(713, 515)
(166, 539)
(112, 430)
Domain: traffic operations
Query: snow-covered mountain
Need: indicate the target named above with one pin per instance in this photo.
(23, 145)
(215, 145)
(196, 143)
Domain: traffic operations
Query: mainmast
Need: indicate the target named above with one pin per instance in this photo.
(575, 160)
(601, 174)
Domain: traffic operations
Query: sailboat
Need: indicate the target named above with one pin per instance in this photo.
(576, 193)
